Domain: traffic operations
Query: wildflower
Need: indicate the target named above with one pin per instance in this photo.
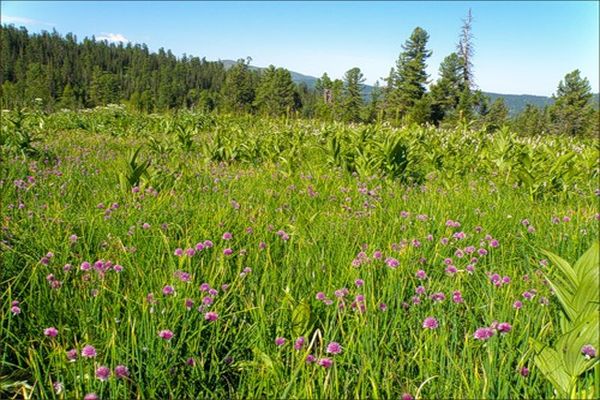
(528, 295)
(15, 309)
(205, 287)
(310, 359)
(325, 362)
(430, 323)
(421, 274)
(73, 238)
(208, 244)
(359, 282)
(279, 341)
(457, 297)
(334, 348)
(299, 343)
(451, 270)
(211, 316)
(524, 371)
(190, 361)
(377, 255)
(199, 246)
(190, 252)
(178, 252)
(420, 290)
(504, 327)
(517, 305)
(483, 333)
(146, 225)
(227, 236)
(321, 296)
(121, 371)
(438, 297)
(91, 396)
(88, 351)
(470, 268)
(392, 262)
(72, 355)
(103, 373)
(383, 307)
(168, 290)
(407, 396)
(51, 332)
(227, 252)
(588, 351)
(58, 387)
(189, 303)
(165, 334)
(482, 252)
(85, 266)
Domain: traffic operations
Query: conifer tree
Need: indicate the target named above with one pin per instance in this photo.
(407, 83)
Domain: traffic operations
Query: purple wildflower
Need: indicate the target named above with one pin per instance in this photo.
(325, 362)
(103, 373)
(430, 323)
(72, 355)
(483, 333)
(51, 332)
(299, 343)
(211, 316)
(168, 290)
(165, 334)
(121, 371)
(88, 351)
(588, 351)
(334, 348)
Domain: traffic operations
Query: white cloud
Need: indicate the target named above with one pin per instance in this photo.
(9, 19)
(113, 37)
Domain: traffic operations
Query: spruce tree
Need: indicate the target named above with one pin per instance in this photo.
(408, 81)
(353, 101)
(572, 111)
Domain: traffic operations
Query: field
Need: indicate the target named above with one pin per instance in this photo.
(202, 256)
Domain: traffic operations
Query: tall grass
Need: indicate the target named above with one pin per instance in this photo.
(356, 225)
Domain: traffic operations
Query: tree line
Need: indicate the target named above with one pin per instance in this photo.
(62, 72)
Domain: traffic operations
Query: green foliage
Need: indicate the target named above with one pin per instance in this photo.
(304, 200)
(572, 112)
(353, 101)
(407, 83)
(577, 288)
(275, 94)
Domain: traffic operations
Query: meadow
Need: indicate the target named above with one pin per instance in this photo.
(217, 256)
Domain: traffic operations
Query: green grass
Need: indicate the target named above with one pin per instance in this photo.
(283, 177)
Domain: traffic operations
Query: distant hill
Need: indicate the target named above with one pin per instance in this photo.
(515, 102)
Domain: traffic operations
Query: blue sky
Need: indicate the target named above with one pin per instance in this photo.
(520, 47)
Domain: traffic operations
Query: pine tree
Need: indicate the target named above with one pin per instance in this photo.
(447, 91)
(353, 101)
(239, 87)
(531, 121)
(497, 116)
(68, 99)
(572, 112)
(275, 94)
(465, 53)
(408, 81)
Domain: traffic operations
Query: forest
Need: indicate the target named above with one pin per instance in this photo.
(65, 73)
